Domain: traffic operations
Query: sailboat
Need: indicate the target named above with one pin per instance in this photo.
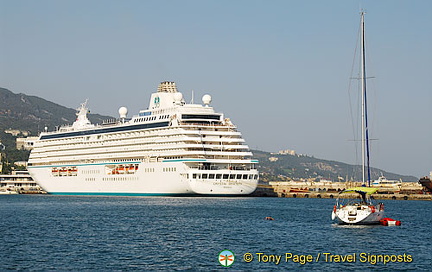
(360, 210)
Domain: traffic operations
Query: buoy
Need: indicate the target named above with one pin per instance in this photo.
(269, 218)
(390, 222)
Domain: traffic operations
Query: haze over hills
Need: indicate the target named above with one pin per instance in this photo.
(32, 114)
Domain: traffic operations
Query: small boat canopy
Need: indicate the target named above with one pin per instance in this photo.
(361, 190)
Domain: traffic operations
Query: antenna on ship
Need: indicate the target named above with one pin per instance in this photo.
(192, 100)
(206, 99)
(123, 113)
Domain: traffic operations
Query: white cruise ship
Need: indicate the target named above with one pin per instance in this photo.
(173, 148)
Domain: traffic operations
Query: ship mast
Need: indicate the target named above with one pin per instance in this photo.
(365, 129)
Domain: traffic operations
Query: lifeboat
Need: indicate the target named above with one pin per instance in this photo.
(130, 169)
(121, 169)
(55, 172)
(63, 171)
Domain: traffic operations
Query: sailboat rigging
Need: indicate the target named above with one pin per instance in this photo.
(365, 127)
(360, 210)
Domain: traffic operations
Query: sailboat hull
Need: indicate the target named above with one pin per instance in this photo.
(358, 214)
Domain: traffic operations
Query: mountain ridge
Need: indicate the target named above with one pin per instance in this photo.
(32, 113)
(295, 167)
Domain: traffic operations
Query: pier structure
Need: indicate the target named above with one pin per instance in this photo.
(328, 189)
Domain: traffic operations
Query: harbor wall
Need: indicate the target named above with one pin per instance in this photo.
(292, 189)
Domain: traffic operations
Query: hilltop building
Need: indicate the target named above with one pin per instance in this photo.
(16, 132)
(287, 152)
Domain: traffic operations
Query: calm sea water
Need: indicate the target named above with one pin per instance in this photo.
(42, 232)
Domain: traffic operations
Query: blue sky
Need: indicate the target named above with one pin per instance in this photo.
(279, 69)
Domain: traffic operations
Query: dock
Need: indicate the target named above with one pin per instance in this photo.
(297, 189)
(395, 196)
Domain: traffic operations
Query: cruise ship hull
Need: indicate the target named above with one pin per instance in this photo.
(149, 179)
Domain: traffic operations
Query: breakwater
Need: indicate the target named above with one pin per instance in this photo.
(396, 196)
(293, 189)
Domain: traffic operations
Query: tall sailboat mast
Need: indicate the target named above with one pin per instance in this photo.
(365, 129)
(360, 210)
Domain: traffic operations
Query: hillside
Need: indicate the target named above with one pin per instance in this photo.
(285, 167)
(30, 115)
(33, 114)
